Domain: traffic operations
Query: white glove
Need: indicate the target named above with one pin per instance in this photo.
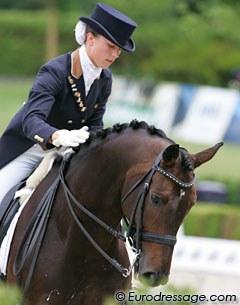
(71, 138)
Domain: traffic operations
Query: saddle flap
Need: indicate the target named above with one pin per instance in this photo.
(8, 208)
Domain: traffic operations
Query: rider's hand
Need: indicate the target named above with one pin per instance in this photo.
(70, 138)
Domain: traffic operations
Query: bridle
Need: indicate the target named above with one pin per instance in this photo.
(135, 233)
(135, 230)
(30, 245)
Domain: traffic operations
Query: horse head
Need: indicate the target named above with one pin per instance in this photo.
(166, 193)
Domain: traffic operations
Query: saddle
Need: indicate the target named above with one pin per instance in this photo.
(11, 208)
(10, 205)
(8, 208)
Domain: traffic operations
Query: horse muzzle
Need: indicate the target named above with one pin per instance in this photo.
(153, 265)
(153, 278)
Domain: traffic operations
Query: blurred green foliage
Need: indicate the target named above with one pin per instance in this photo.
(24, 4)
(182, 41)
(8, 295)
(213, 220)
(13, 93)
(221, 169)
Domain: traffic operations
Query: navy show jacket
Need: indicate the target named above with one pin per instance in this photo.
(54, 104)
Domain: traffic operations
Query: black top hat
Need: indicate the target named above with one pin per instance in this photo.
(113, 25)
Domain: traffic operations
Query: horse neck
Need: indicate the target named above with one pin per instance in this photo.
(97, 177)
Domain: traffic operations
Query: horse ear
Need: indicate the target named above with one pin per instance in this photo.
(171, 153)
(205, 155)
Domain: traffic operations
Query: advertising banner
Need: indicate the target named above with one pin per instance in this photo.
(209, 115)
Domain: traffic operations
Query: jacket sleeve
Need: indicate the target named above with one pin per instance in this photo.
(41, 99)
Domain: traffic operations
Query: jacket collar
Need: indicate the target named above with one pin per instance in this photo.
(76, 68)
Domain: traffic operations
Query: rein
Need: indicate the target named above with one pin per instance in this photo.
(70, 197)
(30, 245)
(135, 234)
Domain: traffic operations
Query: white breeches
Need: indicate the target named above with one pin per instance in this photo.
(20, 168)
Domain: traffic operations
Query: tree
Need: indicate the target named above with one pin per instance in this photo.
(52, 31)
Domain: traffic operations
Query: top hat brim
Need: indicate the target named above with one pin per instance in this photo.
(96, 26)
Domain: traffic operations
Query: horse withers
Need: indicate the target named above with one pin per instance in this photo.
(75, 254)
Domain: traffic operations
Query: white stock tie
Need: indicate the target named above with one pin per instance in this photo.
(90, 71)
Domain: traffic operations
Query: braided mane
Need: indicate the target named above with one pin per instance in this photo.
(102, 134)
(118, 128)
(97, 136)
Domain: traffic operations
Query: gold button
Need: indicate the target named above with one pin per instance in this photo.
(96, 106)
(69, 121)
(70, 80)
(77, 94)
(38, 138)
(83, 121)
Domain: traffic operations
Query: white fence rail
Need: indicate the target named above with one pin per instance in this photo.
(210, 255)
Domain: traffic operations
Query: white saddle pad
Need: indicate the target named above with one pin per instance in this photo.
(5, 246)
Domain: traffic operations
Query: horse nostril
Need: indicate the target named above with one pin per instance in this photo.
(154, 279)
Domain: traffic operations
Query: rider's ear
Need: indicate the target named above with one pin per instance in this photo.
(171, 154)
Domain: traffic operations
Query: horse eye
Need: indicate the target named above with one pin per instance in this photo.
(156, 200)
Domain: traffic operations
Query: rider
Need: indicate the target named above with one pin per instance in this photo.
(68, 97)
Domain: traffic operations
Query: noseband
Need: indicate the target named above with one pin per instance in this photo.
(135, 233)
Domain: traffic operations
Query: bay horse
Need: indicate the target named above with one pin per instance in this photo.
(71, 249)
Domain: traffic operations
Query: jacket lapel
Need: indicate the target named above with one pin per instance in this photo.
(76, 83)
(76, 68)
